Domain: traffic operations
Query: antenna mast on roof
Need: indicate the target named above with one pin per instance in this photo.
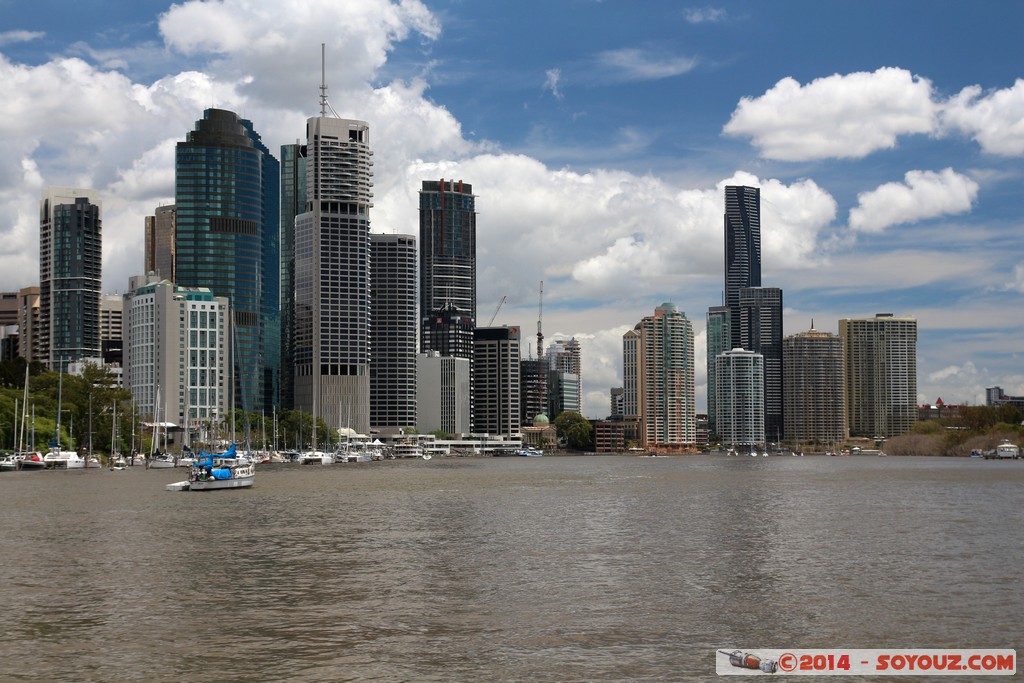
(324, 103)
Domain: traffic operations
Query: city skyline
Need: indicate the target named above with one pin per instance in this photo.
(599, 161)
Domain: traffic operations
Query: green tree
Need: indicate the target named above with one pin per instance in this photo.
(577, 430)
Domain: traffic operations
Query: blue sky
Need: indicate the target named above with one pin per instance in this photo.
(887, 139)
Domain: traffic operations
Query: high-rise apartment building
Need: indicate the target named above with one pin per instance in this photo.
(178, 354)
(70, 275)
(332, 274)
(813, 389)
(393, 332)
(880, 369)
(664, 383)
(742, 248)
(29, 324)
(718, 337)
(760, 323)
(496, 383)
(293, 203)
(739, 397)
(226, 226)
(160, 236)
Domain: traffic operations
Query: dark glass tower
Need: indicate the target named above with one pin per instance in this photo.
(760, 324)
(226, 185)
(293, 202)
(742, 247)
(447, 257)
(70, 275)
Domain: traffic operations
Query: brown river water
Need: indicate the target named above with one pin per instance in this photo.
(589, 568)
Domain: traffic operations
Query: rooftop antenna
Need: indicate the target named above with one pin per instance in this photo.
(324, 103)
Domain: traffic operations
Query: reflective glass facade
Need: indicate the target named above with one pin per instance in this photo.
(226, 186)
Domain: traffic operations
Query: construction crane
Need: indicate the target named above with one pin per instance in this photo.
(540, 316)
(503, 298)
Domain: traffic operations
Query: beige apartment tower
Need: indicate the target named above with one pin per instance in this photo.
(880, 373)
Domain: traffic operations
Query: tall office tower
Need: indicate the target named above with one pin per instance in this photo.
(70, 275)
(226, 185)
(446, 379)
(742, 248)
(718, 337)
(880, 369)
(666, 380)
(332, 273)
(393, 332)
(739, 395)
(447, 251)
(29, 324)
(178, 353)
(615, 399)
(496, 385)
(760, 323)
(631, 374)
(533, 399)
(160, 231)
(112, 329)
(565, 385)
(293, 202)
(813, 388)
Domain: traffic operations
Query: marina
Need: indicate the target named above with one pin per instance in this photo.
(583, 568)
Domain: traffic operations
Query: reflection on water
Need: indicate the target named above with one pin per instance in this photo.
(537, 569)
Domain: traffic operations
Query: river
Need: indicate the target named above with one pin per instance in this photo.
(590, 568)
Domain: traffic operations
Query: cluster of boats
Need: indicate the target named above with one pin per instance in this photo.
(54, 460)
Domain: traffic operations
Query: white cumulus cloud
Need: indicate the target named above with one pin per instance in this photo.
(840, 116)
(995, 120)
(922, 195)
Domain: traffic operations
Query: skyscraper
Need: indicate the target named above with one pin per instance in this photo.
(447, 250)
(718, 337)
(760, 323)
(293, 202)
(70, 275)
(393, 332)
(496, 385)
(742, 247)
(226, 197)
(665, 380)
(177, 353)
(332, 277)
(739, 396)
(813, 388)
(880, 369)
(160, 229)
(565, 386)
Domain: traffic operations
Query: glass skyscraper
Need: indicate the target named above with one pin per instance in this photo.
(70, 275)
(447, 256)
(293, 202)
(742, 247)
(227, 205)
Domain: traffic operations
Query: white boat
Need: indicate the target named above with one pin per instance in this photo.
(316, 458)
(160, 461)
(8, 463)
(214, 471)
(63, 460)
(1007, 450)
(531, 453)
(30, 461)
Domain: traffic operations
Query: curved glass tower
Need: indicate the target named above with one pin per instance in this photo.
(226, 185)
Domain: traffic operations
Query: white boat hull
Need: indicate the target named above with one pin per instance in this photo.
(214, 484)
